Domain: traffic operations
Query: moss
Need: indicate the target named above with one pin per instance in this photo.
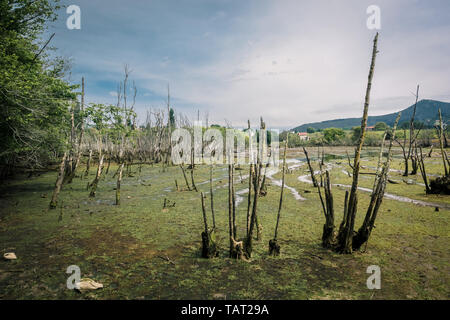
(138, 251)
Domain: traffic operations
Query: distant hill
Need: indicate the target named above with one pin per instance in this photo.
(426, 112)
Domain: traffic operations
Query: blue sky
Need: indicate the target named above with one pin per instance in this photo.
(291, 62)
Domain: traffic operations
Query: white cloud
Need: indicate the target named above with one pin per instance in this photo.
(291, 63)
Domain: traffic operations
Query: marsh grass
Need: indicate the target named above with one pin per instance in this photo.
(126, 247)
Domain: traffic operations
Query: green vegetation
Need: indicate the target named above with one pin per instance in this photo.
(34, 98)
(332, 135)
(381, 126)
(126, 248)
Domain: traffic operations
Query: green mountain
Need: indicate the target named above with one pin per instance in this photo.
(426, 112)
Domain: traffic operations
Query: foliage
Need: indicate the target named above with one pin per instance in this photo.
(333, 134)
(380, 126)
(356, 132)
(172, 118)
(34, 98)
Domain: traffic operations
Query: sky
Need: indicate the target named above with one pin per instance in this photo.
(291, 62)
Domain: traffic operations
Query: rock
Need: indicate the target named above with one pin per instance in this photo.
(219, 296)
(10, 256)
(88, 284)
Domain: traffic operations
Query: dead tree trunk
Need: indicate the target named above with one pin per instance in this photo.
(274, 247)
(233, 198)
(59, 181)
(250, 179)
(441, 143)
(209, 248)
(236, 247)
(430, 152)
(119, 181)
(311, 170)
(249, 200)
(412, 137)
(88, 163)
(321, 163)
(185, 178)
(78, 156)
(212, 196)
(328, 210)
(423, 172)
(363, 234)
(263, 191)
(109, 163)
(94, 183)
(345, 238)
(263, 140)
(248, 243)
(192, 171)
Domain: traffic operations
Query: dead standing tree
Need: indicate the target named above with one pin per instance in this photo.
(408, 145)
(169, 130)
(209, 247)
(192, 170)
(250, 175)
(345, 235)
(93, 185)
(441, 144)
(123, 125)
(423, 171)
(68, 164)
(328, 240)
(58, 183)
(212, 195)
(236, 247)
(80, 139)
(363, 234)
(248, 241)
(441, 185)
(274, 247)
(311, 170)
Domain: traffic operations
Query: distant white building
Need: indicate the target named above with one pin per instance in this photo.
(303, 136)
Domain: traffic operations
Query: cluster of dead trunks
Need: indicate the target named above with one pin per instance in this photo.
(241, 248)
(440, 185)
(152, 147)
(346, 240)
(413, 151)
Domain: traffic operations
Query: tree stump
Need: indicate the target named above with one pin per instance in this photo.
(237, 250)
(274, 247)
(209, 246)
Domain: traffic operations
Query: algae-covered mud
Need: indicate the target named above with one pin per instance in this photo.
(139, 250)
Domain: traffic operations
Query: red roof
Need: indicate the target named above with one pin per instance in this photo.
(302, 133)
